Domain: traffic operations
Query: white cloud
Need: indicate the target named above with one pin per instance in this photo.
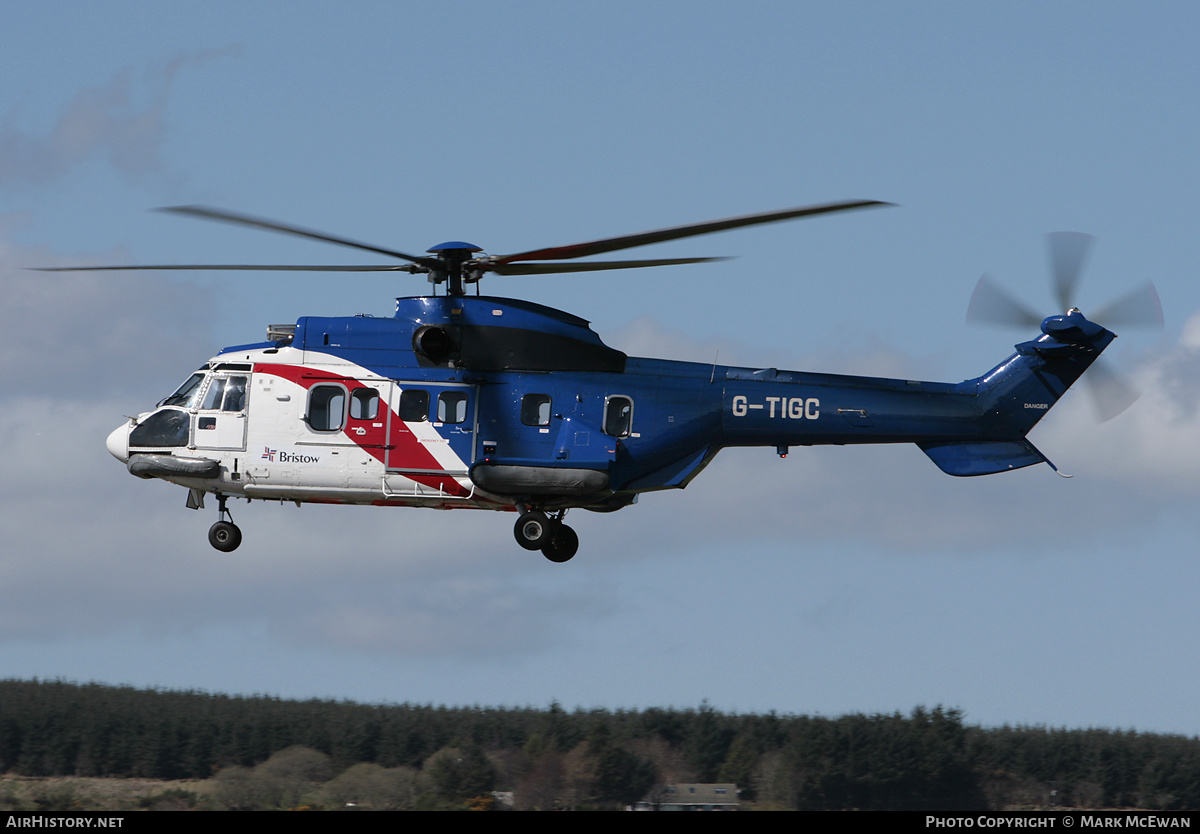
(102, 121)
(1154, 447)
(77, 335)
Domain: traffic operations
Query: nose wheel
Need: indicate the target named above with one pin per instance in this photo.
(535, 530)
(225, 536)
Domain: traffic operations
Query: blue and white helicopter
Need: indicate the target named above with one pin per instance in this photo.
(478, 402)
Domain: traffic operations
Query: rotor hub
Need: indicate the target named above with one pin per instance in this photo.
(451, 257)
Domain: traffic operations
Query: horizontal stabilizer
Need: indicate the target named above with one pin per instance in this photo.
(986, 458)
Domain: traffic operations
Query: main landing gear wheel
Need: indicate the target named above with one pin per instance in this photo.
(225, 536)
(532, 530)
(563, 544)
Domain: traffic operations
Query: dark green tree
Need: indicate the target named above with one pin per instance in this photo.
(460, 773)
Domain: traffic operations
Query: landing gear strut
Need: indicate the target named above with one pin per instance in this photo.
(535, 530)
(225, 536)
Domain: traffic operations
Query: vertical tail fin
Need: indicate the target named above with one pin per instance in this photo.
(1016, 394)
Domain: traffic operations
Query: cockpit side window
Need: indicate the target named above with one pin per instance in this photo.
(225, 394)
(235, 394)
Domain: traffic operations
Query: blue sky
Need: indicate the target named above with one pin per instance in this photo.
(840, 579)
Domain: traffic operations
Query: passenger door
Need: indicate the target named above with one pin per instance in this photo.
(433, 428)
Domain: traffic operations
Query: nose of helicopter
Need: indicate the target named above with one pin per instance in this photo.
(118, 443)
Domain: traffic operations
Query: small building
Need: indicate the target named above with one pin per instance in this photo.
(692, 796)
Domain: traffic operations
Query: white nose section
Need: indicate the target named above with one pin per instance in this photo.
(118, 443)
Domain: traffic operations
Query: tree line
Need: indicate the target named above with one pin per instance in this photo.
(411, 755)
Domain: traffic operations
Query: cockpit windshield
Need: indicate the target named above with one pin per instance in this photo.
(187, 394)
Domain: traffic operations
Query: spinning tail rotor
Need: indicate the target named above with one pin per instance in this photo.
(1111, 392)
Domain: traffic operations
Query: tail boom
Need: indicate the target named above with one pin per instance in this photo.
(976, 427)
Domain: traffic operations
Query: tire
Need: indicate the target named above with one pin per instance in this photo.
(225, 536)
(563, 544)
(532, 530)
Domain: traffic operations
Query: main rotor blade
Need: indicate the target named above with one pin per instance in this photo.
(591, 266)
(245, 220)
(259, 267)
(596, 247)
(1068, 251)
(992, 305)
(1139, 308)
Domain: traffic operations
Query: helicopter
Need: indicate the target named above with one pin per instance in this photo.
(470, 401)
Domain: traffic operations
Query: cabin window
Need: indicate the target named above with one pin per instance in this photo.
(618, 416)
(535, 409)
(452, 407)
(414, 405)
(364, 404)
(326, 407)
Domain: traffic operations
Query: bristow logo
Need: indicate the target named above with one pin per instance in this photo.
(287, 457)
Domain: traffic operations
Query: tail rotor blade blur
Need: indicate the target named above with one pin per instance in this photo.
(1111, 391)
(1139, 308)
(992, 305)
(1068, 251)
